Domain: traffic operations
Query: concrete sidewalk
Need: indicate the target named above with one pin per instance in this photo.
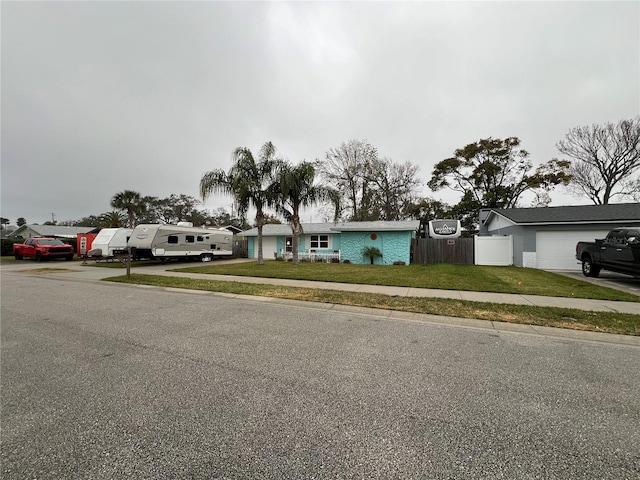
(88, 272)
(516, 299)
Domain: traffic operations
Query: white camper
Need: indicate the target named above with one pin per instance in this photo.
(180, 241)
(110, 240)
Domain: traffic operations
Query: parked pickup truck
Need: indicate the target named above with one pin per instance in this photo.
(618, 252)
(42, 249)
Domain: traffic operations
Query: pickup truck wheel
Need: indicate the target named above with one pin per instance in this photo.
(18, 257)
(68, 257)
(38, 257)
(589, 269)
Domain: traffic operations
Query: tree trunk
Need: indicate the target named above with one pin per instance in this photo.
(295, 230)
(260, 224)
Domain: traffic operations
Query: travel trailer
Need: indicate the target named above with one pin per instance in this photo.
(110, 241)
(181, 241)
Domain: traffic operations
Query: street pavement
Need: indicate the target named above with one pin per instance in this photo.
(79, 271)
(111, 381)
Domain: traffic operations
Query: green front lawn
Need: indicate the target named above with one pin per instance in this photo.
(526, 281)
(610, 322)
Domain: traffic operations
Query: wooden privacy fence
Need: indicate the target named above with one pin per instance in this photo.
(426, 251)
(240, 248)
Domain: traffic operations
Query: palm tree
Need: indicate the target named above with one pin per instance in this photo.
(248, 182)
(129, 201)
(295, 189)
(113, 219)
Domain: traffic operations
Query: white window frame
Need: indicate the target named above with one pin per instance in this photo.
(317, 242)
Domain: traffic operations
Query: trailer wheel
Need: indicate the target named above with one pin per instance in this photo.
(589, 269)
(206, 257)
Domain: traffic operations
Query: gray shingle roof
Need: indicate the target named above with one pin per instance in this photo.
(621, 212)
(271, 230)
(54, 230)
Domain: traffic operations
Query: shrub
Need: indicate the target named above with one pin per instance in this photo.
(346, 260)
(7, 244)
(371, 252)
(399, 262)
(335, 260)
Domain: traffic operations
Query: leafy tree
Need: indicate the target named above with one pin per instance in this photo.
(90, 221)
(21, 221)
(130, 202)
(247, 182)
(493, 173)
(271, 220)
(294, 189)
(605, 160)
(427, 209)
(113, 219)
(173, 209)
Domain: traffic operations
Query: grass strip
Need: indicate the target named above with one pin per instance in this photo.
(621, 323)
(477, 278)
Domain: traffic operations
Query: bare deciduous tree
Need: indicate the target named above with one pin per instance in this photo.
(395, 187)
(370, 188)
(605, 160)
(343, 168)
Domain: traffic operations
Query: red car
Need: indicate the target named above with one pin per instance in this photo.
(42, 249)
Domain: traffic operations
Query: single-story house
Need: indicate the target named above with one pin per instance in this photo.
(55, 231)
(340, 241)
(546, 237)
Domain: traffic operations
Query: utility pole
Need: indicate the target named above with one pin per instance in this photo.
(53, 218)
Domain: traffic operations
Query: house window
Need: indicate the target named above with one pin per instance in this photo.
(173, 239)
(319, 241)
(189, 239)
(288, 244)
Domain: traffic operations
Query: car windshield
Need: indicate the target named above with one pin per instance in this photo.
(50, 241)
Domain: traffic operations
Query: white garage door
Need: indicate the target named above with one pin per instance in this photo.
(557, 250)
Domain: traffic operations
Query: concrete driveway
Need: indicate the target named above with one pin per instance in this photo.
(617, 281)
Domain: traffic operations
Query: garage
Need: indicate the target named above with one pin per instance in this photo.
(546, 237)
(556, 250)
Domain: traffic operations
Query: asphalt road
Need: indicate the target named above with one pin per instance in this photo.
(103, 381)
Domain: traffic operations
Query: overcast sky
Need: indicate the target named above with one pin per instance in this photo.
(99, 97)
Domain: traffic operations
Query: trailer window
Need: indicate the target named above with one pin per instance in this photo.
(199, 238)
(173, 239)
(213, 246)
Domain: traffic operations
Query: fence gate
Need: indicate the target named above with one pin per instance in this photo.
(241, 248)
(427, 251)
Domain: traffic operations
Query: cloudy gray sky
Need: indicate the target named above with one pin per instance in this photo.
(98, 97)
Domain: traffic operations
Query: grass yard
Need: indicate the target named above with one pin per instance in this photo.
(608, 322)
(526, 281)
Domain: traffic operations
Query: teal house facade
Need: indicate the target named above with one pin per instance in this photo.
(337, 241)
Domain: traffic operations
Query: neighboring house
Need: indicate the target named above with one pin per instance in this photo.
(546, 237)
(55, 231)
(341, 240)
